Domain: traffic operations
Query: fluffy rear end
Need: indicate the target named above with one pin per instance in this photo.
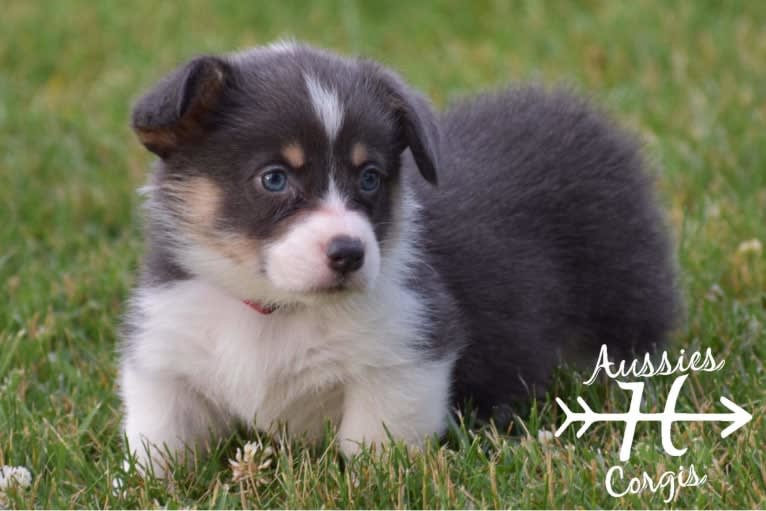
(546, 229)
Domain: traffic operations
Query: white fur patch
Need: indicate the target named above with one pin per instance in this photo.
(202, 360)
(327, 106)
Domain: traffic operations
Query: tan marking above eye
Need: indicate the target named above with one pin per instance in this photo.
(358, 154)
(293, 154)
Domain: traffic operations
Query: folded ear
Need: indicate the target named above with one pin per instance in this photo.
(417, 123)
(175, 110)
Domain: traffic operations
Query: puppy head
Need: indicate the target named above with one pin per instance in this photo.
(280, 169)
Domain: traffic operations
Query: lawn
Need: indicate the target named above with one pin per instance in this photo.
(689, 78)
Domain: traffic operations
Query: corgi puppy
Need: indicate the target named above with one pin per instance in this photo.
(323, 246)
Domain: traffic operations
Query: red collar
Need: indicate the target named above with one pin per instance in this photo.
(258, 307)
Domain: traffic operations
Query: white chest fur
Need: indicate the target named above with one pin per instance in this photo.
(293, 366)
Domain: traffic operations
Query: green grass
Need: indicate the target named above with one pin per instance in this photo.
(689, 77)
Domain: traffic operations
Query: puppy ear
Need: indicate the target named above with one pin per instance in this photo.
(417, 123)
(175, 110)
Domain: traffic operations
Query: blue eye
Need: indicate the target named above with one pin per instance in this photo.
(369, 181)
(274, 180)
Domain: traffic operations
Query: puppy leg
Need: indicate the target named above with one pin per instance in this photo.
(164, 415)
(411, 403)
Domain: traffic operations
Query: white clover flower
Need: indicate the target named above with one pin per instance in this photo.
(18, 476)
(752, 246)
(545, 436)
(250, 462)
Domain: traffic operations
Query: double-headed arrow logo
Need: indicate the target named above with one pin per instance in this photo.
(737, 417)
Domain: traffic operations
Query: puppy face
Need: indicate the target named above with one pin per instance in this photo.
(280, 172)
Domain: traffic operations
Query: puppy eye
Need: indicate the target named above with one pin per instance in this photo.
(274, 179)
(369, 181)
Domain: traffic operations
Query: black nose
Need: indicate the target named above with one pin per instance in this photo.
(345, 254)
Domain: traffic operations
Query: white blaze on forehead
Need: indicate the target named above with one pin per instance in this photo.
(334, 199)
(327, 106)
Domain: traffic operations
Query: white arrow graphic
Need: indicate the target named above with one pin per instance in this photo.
(737, 416)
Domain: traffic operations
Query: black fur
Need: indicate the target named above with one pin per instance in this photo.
(547, 233)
